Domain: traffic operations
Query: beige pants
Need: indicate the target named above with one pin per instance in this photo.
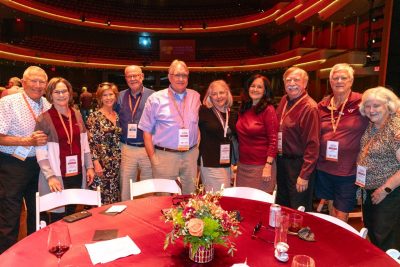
(213, 178)
(133, 159)
(170, 165)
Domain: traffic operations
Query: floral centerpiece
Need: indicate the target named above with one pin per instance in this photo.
(202, 223)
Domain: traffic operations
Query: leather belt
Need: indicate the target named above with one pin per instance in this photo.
(173, 150)
(136, 145)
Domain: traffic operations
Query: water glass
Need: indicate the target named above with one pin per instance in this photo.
(295, 222)
(281, 228)
(303, 261)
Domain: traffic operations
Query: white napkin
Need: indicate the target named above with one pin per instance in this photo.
(116, 208)
(106, 251)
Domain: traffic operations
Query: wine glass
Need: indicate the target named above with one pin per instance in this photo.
(303, 261)
(59, 240)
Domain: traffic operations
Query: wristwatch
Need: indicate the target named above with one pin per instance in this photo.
(388, 190)
(269, 163)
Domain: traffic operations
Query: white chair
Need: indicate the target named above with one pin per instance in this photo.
(65, 197)
(154, 186)
(249, 193)
(362, 233)
(394, 254)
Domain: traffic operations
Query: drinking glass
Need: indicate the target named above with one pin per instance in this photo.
(59, 240)
(295, 222)
(281, 228)
(303, 261)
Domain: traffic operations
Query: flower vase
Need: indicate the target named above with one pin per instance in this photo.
(203, 254)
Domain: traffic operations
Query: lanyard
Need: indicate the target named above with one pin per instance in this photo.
(284, 113)
(177, 109)
(221, 120)
(70, 135)
(334, 122)
(133, 112)
(30, 108)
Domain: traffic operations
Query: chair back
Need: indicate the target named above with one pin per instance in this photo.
(394, 254)
(65, 197)
(249, 193)
(154, 186)
(362, 233)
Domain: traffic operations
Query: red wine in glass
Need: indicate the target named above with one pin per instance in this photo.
(58, 250)
(59, 240)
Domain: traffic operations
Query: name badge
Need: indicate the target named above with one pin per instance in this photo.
(132, 130)
(183, 139)
(280, 148)
(71, 163)
(361, 175)
(225, 153)
(22, 152)
(332, 151)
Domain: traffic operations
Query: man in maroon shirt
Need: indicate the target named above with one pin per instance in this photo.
(342, 126)
(298, 142)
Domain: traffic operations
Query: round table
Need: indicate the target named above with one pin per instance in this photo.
(142, 221)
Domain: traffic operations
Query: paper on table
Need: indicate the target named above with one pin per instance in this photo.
(116, 208)
(106, 251)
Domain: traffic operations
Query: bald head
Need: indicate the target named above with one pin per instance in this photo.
(134, 78)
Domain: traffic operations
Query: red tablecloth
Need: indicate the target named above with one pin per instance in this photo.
(142, 221)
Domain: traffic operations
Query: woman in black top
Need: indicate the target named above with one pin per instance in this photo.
(217, 125)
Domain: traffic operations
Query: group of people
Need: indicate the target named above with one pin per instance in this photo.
(345, 142)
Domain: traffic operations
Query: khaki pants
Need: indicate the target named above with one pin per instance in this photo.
(170, 165)
(133, 159)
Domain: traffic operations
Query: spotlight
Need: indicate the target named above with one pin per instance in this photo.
(180, 26)
(108, 22)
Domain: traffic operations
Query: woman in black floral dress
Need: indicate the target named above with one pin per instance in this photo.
(104, 137)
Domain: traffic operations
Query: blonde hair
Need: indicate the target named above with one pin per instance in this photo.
(342, 67)
(103, 87)
(207, 99)
(382, 94)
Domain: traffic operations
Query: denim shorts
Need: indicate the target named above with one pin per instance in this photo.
(340, 189)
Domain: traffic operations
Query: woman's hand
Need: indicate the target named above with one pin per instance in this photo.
(378, 195)
(54, 184)
(266, 174)
(301, 184)
(89, 176)
(97, 168)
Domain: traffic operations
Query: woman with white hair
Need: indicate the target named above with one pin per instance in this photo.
(217, 125)
(378, 167)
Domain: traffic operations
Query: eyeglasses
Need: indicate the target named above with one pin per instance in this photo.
(343, 78)
(133, 76)
(37, 81)
(289, 80)
(60, 92)
(180, 76)
(257, 229)
(105, 84)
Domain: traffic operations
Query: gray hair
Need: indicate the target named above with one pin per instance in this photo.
(176, 63)
(34, 69)
(207, 100)
(342, 67)
(290, 70)
(383, 94)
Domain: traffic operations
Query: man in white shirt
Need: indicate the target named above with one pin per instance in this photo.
(19, 170)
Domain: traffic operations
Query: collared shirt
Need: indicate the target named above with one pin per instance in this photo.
(161, 118)
(300, 131)
(125, 113)
(348, 133)
(16, 118)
